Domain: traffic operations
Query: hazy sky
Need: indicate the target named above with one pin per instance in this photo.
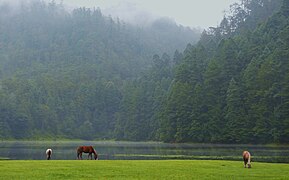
(201, 13)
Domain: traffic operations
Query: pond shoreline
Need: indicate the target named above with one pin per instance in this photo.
(140, 142)
(125, 150)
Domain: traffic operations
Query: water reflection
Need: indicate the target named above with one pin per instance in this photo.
(142, 150)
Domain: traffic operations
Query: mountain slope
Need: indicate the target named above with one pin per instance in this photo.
(64, 73)
(237, 87)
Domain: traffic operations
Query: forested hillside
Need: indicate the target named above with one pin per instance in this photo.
(64, 73)
(235, 81)
(232, 87)
(83, 75)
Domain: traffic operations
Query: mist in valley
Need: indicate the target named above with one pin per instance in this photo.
(177, 71)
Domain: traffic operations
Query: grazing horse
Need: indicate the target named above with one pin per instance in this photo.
(247, 159)
(48, 153)
(86, 149)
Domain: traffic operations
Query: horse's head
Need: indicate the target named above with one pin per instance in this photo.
(249, 165)
(95, 155)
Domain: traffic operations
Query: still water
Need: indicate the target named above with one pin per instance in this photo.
(63, 150)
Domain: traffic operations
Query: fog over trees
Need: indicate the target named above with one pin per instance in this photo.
(82, 75)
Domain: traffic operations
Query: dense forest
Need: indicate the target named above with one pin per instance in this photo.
(63, 73)
(87, 76)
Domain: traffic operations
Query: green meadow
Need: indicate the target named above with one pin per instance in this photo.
(139, 169)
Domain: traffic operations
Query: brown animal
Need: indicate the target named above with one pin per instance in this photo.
(86, 149)
(48, 153)
(247, 159)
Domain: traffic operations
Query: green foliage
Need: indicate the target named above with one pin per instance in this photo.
(232, 89)
(83, 75)
(67, 74)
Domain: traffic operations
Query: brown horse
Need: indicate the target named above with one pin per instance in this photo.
(247, 159)
(86, 149)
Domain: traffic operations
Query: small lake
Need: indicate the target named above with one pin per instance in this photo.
(107, 150)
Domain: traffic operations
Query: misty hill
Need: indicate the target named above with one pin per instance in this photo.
(232, 87)
(83, 72)
(63, 72)
(46, 35)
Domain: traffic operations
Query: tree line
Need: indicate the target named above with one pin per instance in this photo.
(63, 74)
(231, 87)
(83, 75)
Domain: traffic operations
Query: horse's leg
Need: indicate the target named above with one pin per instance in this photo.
(245, 162)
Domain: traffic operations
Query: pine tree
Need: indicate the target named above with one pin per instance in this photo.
(237, 125)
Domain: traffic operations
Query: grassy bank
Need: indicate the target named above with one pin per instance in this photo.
(145, 169)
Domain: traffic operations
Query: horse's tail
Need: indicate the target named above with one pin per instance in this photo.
(249, 158)
(78, 151)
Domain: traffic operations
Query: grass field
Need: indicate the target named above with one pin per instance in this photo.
(139, 169)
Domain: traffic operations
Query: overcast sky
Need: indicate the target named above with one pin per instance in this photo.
(193, 13)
